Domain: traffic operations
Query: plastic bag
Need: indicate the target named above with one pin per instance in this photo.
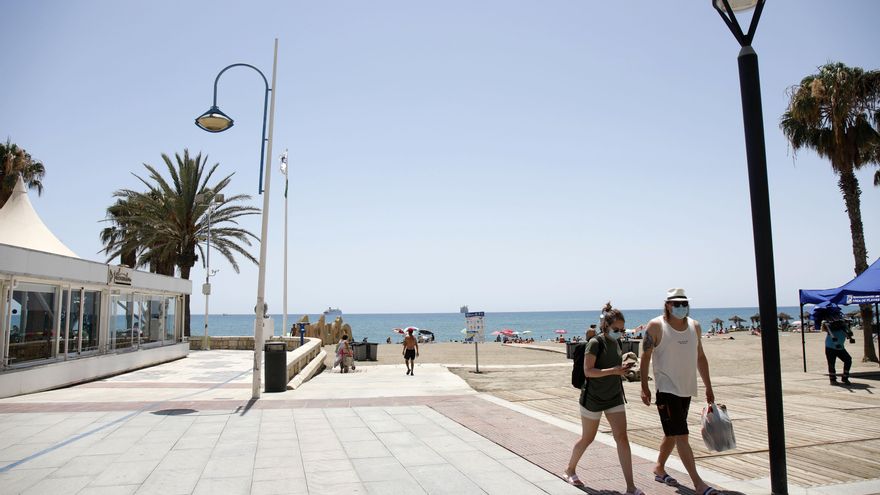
(717, 428)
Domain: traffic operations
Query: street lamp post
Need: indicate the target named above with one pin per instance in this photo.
(212, 203)
(284, 300)
(753, 124)
(215, 120)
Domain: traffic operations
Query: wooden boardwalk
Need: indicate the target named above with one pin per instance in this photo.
(832, 433)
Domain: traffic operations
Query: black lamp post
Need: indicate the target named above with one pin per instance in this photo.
(753, 124)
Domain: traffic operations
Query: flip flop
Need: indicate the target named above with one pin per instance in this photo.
(665, 478)
(572, 479)
(710, 491)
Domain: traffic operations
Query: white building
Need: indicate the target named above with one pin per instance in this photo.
(65, 320)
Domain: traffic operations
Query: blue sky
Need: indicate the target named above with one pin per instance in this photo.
(509, 155)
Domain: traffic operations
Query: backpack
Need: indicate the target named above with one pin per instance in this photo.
(578, 378)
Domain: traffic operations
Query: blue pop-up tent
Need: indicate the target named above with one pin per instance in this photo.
(864, 289)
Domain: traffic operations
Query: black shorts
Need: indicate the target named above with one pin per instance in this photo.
(409, 354)
(673, 412)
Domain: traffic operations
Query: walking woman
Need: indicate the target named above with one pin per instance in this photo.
(602, 392)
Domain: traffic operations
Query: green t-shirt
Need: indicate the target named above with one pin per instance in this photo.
(607, 391)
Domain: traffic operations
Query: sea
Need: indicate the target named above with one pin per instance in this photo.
(447, 327)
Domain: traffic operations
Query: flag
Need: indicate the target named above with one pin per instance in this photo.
(284, 170)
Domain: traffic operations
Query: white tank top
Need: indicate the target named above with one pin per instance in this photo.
(675, 360)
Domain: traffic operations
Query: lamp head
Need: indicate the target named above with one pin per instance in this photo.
(214, 120)
(728, 9)
(736, 5)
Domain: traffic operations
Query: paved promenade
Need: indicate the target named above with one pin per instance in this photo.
(189, 427)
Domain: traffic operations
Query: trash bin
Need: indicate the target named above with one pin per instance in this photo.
(275, 363)
(360, 351)
(372, 351)
(630, 346)
(569, 349)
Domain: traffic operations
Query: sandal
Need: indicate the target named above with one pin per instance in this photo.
(710, 491)
(665, 478)
(572, 479)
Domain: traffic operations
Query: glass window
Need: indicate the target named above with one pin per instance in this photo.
(152, 310)
(170, 319)
(33, 323)
(124, 324)
(70, 315)
(84, 317)
(91, 319)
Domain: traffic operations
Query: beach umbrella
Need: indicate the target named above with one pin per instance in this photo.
(784, 316)
(718, 321)
(736, 320)
(855, 316)
(397, 330)
(425, 332)
(755, 318)
(526, 331)
(507, 331)
(560, 331)
(414, 329)
(496, 332)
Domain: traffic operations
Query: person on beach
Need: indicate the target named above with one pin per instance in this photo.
(410, 352)
(672, 342)
(832, 323)
(602, 392)
(344, 357)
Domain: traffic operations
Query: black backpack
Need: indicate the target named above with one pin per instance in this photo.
(577, 371)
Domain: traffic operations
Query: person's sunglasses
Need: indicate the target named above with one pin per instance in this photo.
(679, 304)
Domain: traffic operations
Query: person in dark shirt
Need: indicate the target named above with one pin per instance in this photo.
(602, 392)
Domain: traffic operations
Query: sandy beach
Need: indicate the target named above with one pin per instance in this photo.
(727, 356)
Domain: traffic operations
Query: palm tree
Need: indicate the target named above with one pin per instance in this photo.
(15, 161)
(166, 226)
(834, 113)
(119, 238)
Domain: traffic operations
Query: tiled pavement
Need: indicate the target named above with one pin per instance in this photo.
(188, 428)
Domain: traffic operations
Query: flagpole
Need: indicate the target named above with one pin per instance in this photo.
(284, 171)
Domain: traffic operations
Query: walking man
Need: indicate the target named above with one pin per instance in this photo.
(672, 341)
(410, 352)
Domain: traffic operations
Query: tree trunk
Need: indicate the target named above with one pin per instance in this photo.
(187, 315)
(129, 258)
(849, 186)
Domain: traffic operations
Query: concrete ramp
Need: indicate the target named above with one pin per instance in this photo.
(382, 381)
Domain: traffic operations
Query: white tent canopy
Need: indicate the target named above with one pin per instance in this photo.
(21, 226)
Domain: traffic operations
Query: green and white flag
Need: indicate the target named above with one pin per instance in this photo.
(284, 170)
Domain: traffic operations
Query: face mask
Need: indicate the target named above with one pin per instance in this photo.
(615, 335)
(680, 312)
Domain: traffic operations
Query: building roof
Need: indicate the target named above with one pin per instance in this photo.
(21, 226)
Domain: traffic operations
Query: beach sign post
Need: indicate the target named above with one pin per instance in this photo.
(475, 333)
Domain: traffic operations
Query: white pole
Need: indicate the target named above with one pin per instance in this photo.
(261, 283)
(207, 289)
(284, 170)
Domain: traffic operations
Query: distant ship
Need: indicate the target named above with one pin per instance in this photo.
(463, 309)
(333, 312)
